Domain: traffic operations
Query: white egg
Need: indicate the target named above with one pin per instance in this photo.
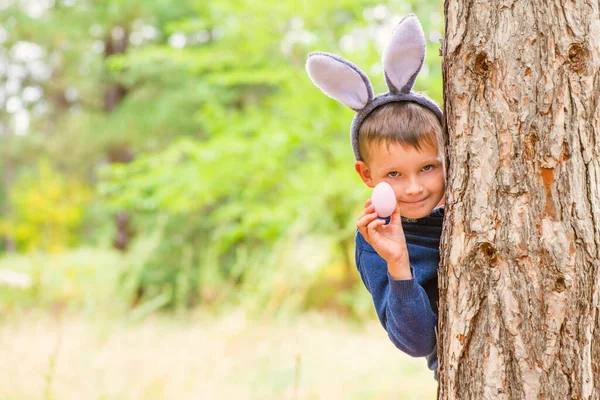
(384, 199)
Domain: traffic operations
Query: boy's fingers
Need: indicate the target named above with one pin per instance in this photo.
(375, 223)
(367, 203)
(365, 219)
(367, 211)
(364, 231)
(364, 224)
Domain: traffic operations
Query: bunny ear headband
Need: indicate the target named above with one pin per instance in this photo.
(346, 83)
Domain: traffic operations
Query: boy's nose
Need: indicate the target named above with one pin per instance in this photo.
(414, 187)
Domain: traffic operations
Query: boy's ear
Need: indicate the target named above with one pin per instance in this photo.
(365, 173)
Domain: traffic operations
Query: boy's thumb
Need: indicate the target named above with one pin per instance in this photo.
(396, 213)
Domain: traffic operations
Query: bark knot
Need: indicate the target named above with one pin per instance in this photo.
(482, 65)
(560, 285)
(489, 252)
(578, 58)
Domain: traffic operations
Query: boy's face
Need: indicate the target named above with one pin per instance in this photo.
(417, 176)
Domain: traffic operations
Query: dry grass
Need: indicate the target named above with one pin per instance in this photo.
(203, 357)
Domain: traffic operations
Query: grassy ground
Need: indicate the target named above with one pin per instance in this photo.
(204, 357)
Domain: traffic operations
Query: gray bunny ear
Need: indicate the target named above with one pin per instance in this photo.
(340, 80)
(404, 55)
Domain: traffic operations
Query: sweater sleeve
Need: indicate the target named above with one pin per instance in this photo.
(402, 306)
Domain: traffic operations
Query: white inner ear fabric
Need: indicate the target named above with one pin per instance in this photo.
(404, 53)
(338, 81)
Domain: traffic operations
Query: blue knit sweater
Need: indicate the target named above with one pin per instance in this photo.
(408, 309)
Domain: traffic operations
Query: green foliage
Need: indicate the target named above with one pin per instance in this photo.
(47, 209)
(239, 160)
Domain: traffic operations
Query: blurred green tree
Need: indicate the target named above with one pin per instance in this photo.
(238, 158)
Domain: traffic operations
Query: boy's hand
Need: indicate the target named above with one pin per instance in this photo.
(387, 240)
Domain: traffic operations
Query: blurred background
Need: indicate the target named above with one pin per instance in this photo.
(178, 201)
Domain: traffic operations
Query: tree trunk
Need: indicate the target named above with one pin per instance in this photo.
(116, 42)
(520, 274)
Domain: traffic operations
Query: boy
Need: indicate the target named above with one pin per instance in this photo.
(397, 138)
(398, 262)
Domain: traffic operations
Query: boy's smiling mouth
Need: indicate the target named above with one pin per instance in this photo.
(414, 202)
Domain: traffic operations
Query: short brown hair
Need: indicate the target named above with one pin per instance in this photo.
(405, 123)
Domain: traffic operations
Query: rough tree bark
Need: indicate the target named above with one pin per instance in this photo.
(520, 274)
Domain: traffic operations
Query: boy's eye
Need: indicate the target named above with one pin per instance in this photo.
(393, 174)
(427, 168)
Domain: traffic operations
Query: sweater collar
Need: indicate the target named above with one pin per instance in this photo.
(435, 214)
